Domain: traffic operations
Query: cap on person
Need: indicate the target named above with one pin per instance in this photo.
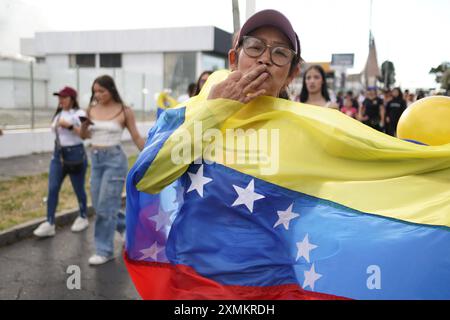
(66, 92)
(271, 18)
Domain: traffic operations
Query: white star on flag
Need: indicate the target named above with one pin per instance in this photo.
(151, 252)
(311, 277)
(284, 217)
(304, 248)
(198, 181)
(247, 196)
(162, 218)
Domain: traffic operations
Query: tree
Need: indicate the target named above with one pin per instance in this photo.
(445, 81)
(440, 70)
(387, 74)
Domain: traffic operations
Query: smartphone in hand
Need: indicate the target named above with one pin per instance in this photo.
(83, 119)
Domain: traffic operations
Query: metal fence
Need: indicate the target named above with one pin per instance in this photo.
(26, 91)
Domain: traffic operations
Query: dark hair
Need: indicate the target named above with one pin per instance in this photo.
(191, 89)
(304, 94)
(108, 83)
(400, 93)
(198, 87)
(75, 106)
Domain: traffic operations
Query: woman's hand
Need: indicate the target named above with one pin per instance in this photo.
(241, 87)
(63, 123)
(84, 130)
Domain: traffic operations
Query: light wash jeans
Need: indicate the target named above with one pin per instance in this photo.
(108, 174)
(56, 177)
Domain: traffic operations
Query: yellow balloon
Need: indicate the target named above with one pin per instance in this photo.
(427, 121)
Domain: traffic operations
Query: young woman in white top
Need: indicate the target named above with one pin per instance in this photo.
(108, 116)
(66, 126)
(315, 89)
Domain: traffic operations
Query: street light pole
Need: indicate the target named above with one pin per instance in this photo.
(236, 19)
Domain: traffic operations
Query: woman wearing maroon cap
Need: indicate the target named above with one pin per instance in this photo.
(66, 126)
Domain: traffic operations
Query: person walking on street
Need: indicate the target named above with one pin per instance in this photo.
(394, 110)
(69, 158)
(108, 116)
(372, 111)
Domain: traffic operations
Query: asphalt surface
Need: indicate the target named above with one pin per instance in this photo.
(39, 269)
(42, 268)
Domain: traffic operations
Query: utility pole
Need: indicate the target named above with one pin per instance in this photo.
(250, 8)
(236, 19)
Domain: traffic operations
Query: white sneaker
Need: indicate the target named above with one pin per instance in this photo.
(97, 260)
(45, 229)
(80, 224)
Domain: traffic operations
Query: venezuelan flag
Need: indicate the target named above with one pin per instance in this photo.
(163, 102)
(326, 208)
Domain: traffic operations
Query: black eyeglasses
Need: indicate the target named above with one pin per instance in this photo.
(279, 55)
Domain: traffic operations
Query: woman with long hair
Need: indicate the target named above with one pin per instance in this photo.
(315, 89)
(394, 109)
(68, 143)
(201, 81)
(108, 116)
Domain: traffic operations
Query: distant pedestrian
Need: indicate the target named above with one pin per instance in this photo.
(201, 81)
(189, 93)
(108, 116)
(69, 158)
(314, 89)
(348, 108)
(372, 112)
(355, 102)
(420, 95)
(394, 110)
(411, 99)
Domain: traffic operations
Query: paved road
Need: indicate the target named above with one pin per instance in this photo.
(37, 269)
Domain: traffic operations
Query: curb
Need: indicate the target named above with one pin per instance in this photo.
(25, 230)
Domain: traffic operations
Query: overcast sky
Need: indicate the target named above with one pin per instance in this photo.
(411, 33)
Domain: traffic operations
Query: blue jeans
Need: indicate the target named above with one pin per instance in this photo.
(108, 173)
(55, 179)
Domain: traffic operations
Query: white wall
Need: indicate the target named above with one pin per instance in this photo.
(137, 68)
(139, 65)
(15, 85)
(25, 142)
(129, 41)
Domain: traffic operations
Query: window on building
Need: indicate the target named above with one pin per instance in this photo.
(110, 60)
(82, 60)
(213, 63)
(179, 71)
(40, 59)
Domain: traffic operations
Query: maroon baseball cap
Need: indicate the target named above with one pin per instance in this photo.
(66, 92)
(271, 18)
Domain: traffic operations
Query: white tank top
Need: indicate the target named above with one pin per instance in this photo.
(106, 133)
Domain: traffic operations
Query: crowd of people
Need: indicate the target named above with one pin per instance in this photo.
(379, 109)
